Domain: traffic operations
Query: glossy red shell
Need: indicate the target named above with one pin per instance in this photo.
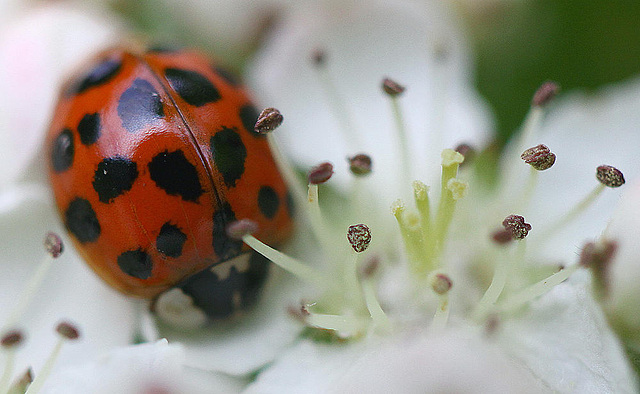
(151, 156)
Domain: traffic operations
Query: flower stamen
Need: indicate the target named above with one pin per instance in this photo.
(54, 247)
(394, 91)
(67, 332)
(440, 284)
(9, 342)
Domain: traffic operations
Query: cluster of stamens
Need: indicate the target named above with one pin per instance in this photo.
(348, 303)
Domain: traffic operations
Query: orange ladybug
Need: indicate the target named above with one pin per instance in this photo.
(151, 155)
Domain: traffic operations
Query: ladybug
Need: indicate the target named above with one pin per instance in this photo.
(151, 155)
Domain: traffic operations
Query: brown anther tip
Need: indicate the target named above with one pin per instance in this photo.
(539, 157)
(598, 257)
(467, 151)
(597, 254)
(320, 173)
(300, 313)
(268, 120)
(25, 379)
(53, 244)
(441, 284)
(369, 268)
(359, 237)
(238, 229)
(517, 226)
(609, 176)
(319, 58)
(502, 236)
(68, 330)
(360, 164)
(11, 339)
(545, 93)
(392, 88)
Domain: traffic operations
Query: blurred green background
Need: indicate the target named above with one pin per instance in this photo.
(580, 44)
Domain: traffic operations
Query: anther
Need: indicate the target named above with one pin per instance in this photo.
(319, 58)
(53, 244)
(392, 88)
(467, 151)
(598, 257)
(321, 173)
(68, 331)
(238, 229)
(300, 313)
(21, 385)
(359, 237)
(268, 120)
(11, 339)
(539, 157)
(360, 164)
(517, 226)
(441, 283)
(609, 176)
(502, 236)
(369, 268)
(545, 93)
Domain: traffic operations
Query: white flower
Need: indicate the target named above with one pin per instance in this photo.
(557, 334)
(407, 306)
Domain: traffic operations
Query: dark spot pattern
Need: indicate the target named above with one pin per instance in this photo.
(215, 297)
(114, 176)
(194, 88)
(62, 151)
(268, 201)
(224, 246)
(228, 153)
(99, 75)
(173, 173)
(81, 220)
(89, 128)
(171, 240)
(136, 263)
(139, 105)
(249, 116)
(227, 75)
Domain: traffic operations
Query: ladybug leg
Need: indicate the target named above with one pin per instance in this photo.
(217, 292)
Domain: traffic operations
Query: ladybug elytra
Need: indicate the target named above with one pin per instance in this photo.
(151, 156)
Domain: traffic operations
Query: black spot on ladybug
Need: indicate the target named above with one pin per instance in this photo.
(194, 88)
(81, 220)
(229, 154)
(217, 297)
(114, 176)
(99, 75)
(62, 151)
(173, 173)
(170, 240)
(268, 201)
(224, 246)
(136, 263)
(290, 204)
(89, 128)
(249, 116)
(228, 76)
(139, 105)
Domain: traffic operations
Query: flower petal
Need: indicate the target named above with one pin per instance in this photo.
(564, 340)
(454, 362)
